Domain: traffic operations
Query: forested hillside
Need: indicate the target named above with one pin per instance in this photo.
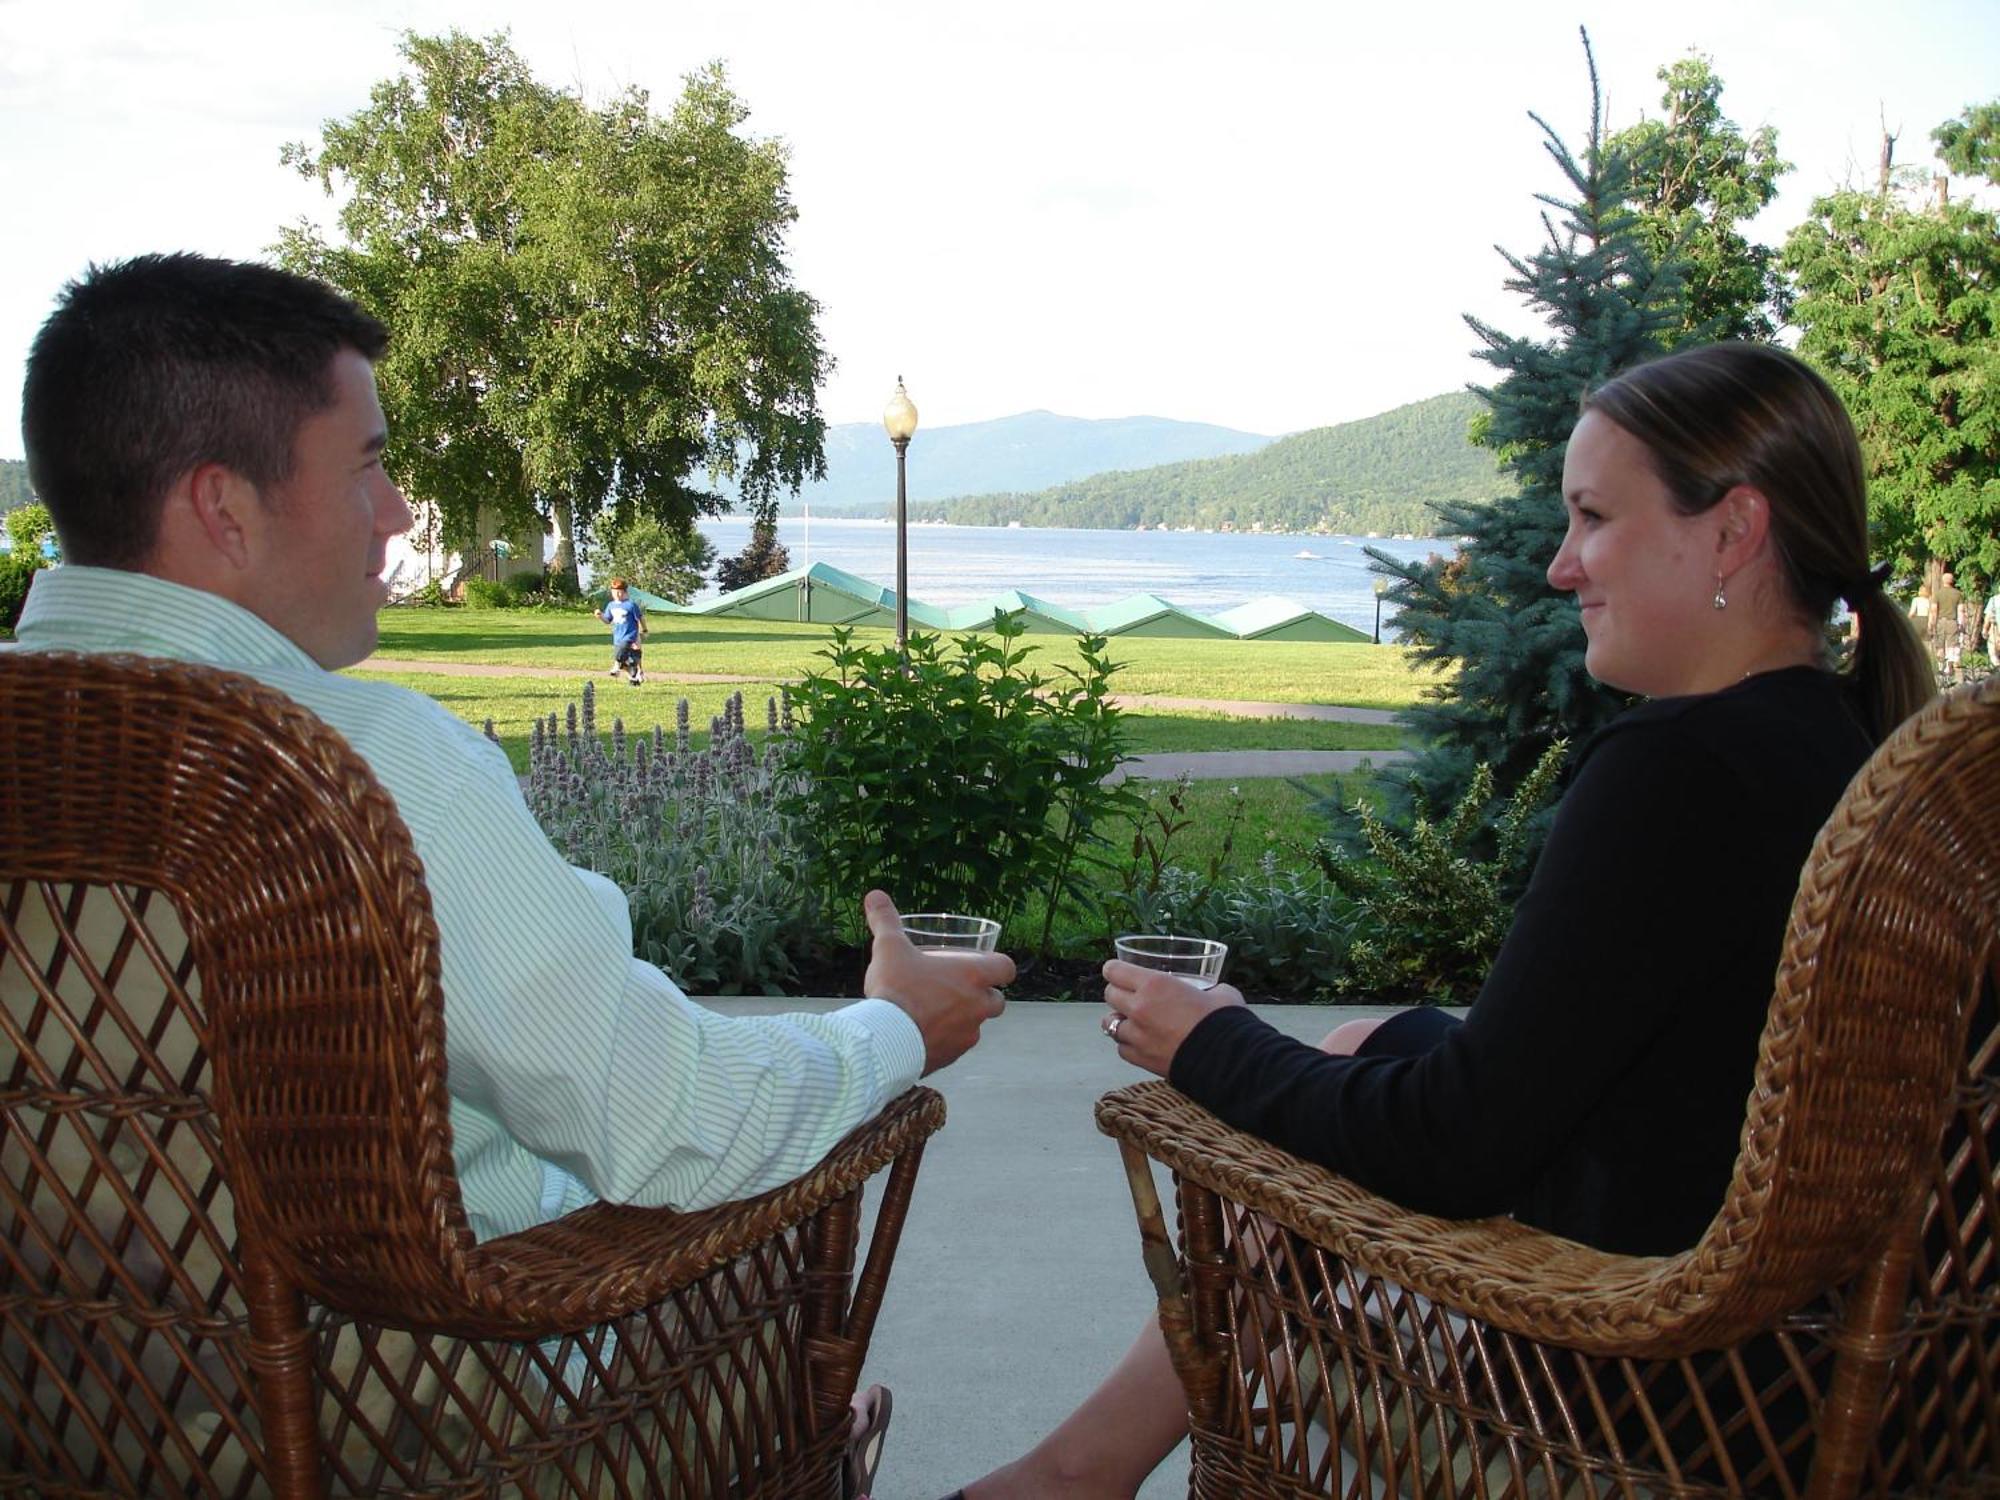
(1022, 452)
(1374, 475)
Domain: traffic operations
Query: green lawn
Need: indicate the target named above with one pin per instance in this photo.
(1275, 820)
(1270, 671)
(514, 703)
(1274, 811)
(1151, 733)
(1274, 671)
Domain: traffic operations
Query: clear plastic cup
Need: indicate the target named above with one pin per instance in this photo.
(1198, 961)
(950, 932)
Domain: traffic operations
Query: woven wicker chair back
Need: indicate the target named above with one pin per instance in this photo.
(223, 1080)
(1870, 1046)
(1840, 1319)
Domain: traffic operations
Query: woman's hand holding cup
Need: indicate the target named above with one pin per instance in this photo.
(1158, 989)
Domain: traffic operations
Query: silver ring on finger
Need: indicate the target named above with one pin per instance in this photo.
(1110, 1025)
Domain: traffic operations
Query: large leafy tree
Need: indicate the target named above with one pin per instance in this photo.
(591, 305)
(1696, 178)
(1898, 304)
(1511, 647)
(659, 559)
(1970, 144)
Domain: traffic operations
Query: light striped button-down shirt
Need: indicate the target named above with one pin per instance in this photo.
(576, 1071)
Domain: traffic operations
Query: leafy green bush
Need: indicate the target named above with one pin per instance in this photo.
(1428, 916)
(17, 570)
(1287, 930)
(549, 591)
(559, 586)
(657, 558)
(1972, 666)
(522, 588)
(960, 781)
(27, 525)
(430, 596)
(710, 862)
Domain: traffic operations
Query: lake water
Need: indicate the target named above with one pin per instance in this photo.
(1199, 570)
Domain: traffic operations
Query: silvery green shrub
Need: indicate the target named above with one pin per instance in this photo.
(698, 840)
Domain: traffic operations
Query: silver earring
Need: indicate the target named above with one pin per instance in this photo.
(1720, 601)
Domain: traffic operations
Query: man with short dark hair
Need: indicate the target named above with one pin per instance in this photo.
(207, 437)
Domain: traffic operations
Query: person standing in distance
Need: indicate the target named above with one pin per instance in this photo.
(628, 629)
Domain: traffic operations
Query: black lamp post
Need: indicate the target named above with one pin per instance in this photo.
(899, 420)
(1381, 588)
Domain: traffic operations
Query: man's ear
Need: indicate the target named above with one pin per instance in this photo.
(1743, 518)
(223, 508)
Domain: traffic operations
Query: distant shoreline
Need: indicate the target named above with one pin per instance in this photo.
(851, 518)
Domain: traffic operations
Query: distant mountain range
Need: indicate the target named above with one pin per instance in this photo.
(1026, 452)
(1376, 475)
(1040, 469)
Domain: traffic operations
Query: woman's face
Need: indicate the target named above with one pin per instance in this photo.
(1643, 574)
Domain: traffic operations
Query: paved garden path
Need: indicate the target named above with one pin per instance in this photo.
(1200, 765)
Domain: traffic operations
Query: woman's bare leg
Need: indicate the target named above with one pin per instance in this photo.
(1345, 1039)
(1106, 1447)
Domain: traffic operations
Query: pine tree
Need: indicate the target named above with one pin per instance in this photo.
(1511, 646)
(763, 556)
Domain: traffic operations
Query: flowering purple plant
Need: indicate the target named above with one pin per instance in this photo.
(710, 862)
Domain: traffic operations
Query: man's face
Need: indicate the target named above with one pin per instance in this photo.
(618, 592)
(324, 533)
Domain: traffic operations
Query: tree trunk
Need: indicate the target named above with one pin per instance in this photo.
(562, 515)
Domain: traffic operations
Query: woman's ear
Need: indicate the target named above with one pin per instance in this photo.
(1743, 517)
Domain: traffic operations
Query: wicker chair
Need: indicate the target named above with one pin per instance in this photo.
(235, 1260)
(1835, 1332)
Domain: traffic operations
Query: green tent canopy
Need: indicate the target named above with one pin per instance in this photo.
(826, 595)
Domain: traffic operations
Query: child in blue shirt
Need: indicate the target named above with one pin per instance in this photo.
(628, 627)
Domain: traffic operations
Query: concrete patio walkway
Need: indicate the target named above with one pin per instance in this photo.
(1018, 1281)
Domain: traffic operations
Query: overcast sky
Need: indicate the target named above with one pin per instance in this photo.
(1269, 214)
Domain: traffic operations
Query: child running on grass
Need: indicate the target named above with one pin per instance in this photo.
(628, 628)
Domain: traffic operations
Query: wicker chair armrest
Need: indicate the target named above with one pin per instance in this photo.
(1523, 1280)
(607, 1260)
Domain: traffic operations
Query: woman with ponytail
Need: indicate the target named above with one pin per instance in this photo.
(1733, 420)
(1717, 513)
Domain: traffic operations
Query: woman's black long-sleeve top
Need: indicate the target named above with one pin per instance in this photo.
(1597, 1087)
